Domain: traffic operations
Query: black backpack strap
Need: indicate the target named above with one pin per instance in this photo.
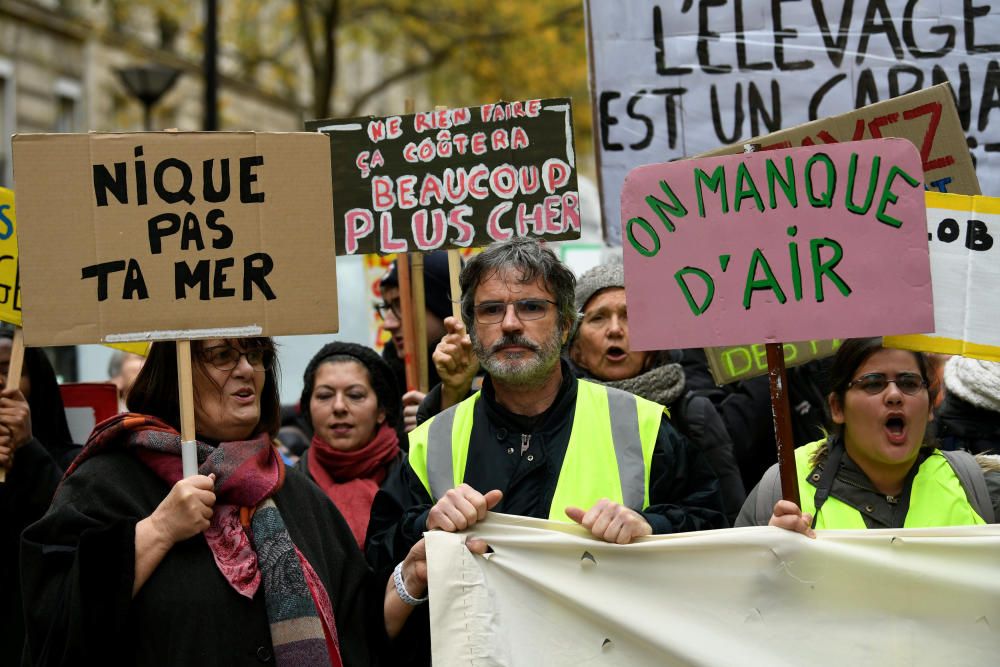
(825, 483)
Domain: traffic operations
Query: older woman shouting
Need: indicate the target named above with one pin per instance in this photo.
(244, 562)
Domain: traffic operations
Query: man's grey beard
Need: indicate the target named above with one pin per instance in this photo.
(529, 371)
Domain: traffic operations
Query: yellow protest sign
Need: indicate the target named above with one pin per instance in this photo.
(10, 282)
(965, 271)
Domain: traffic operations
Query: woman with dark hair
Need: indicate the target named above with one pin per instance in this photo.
(125, 567)
(351, 398)
(35, 447)
(877, 468)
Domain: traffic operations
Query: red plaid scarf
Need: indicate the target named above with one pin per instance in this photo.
(247, 474)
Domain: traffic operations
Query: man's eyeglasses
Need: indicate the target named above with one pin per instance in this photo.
(383, 309)
(492, 312)
(875, 383)
(227, 357)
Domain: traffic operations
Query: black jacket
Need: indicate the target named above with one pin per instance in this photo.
(684, 493)
(24, 498)
(962, 425)
(79, 565)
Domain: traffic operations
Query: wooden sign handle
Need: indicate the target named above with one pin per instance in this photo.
(14, 373)
(419, 318)
(781, 413)
(454, 269)
(185, 386)
(406, 315)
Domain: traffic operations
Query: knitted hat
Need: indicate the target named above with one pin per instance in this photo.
(437, 286)
(382, 378)
(975, 381)
(600, 277)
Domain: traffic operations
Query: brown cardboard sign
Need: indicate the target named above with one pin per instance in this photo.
(927, 118)
(454, 178)
(174, 235)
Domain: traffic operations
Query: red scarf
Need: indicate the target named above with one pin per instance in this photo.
(352, 478)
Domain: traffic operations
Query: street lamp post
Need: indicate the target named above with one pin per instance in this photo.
(148, 83)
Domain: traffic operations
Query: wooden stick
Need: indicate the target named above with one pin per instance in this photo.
(14, 373)
(406, 315)
(781, 414)
(454, 269)
(419, 318)
(185, 386)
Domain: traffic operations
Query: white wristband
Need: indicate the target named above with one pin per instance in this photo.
(404, 595)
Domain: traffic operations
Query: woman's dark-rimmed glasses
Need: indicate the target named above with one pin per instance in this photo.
(227, 357)
(876, 383)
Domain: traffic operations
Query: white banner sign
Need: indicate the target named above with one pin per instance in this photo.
(551, 595)
(674, 78)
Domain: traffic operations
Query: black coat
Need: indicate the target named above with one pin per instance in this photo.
(79, 564)
(24, 498)
(684, 492)
(962, 425)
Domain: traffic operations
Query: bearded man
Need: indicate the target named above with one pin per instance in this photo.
(536, 441)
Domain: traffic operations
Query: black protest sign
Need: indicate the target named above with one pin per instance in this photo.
(453, 178)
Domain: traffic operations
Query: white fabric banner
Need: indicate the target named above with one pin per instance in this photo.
(550, 595)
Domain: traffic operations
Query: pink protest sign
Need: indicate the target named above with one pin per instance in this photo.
(804, 243)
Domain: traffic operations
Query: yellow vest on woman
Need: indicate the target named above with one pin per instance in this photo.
(937, 497)
(608, 456)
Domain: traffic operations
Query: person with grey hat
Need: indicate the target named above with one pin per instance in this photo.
(600, 349)
(438, 307)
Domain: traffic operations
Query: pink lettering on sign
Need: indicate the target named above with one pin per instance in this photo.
(382, 193)
(426, 236)
(493, 228)
(477, 175)
(388, 243)
(390, 128)
(571, 210)
(406, 191)
(457, 219)
(818, 242)
(499, 139)
(430, 189)
(455, 185)
(503, 181)
(555, 174)
(479, 143)
(358, 223)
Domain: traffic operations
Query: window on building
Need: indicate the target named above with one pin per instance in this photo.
(67, 106)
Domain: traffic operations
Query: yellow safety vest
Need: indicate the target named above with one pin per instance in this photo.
(608, 456)
(937, 497)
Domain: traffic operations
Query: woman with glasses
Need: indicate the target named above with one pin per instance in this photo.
(877, 468)
(350, 396)
(246, 561)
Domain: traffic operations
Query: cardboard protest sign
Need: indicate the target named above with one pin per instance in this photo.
(10, 290)
(965, 267)
(927, 118)
(675, 78)
(154, 236)
(454, 178)
(739, 362)
(790, 244)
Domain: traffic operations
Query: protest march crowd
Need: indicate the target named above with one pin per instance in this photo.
(212, 521)
(320, 543)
